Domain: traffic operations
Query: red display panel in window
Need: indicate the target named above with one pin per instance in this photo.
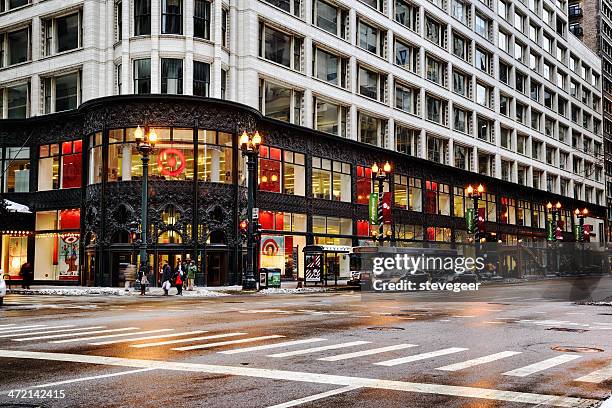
(364, 184)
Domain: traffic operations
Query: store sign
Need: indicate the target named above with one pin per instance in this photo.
(312, 267)
(386, 208)
(373, 208)
(171, 162)
(469, 220)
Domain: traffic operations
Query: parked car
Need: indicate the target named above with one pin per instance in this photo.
(2, 287)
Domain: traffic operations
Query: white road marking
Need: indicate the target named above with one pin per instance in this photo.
(316, 378)
(275, 345)
(107, 336)
(58, 336)
(6, 325)
(225, 343)
(160, 336)
(315, 397)
(49, 331)
(189, 340)
(597, 376)
(317, 349)
(23, 328)
(367, 352)
(422, 356)
(95, 377)
(494, 322)
(477, 361)
(541, 366)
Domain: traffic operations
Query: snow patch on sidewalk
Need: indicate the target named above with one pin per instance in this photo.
(198, 292)
(276, 291)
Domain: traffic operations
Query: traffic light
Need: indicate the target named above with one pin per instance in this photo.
(244, 228)
(257, 231)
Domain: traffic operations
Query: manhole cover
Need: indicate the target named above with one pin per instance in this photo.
(565, 329)
(385, 328)
(576, 349)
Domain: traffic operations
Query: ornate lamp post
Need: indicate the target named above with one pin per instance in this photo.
(145, 143)
(249, 144)
(555, 211)
(581, 214)
(475, 194)
(381, 177)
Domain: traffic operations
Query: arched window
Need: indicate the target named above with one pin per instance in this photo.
(217, 237)
(170, 215)
(169, 237)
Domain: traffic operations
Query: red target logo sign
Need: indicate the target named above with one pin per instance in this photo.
(171, 162)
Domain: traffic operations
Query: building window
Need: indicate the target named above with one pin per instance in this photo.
(281, 103)
(407, 56)
(15, 99)
(62, 33)
(290, 6)
(370, 130)
(201, 19)
(224, 24)
(436, 71)
(118, 83)
(16, 169)
(14, 47)
(407, 193)
(201, 78)
(281, 171)
(62, 92)
(331, 18)
(486, 130)
(371, 84)
(521, 144)
(142, 17)
(281, 48)
(506, 137)
(331, 179)
(171, 76)
(173, 157)
(483, 95)
(504, 73)
(331, 117)
(172, 17)
(57, 245)
(504, 105)
(407, 140)
(371, 38)
(407, 15)
(460, 11)
(94, 173)
(436, 109)
(364, 185)
(118, 20)
(482, 26)
(484, 61)
(223, 83)
(461, 47)
(59, 166)
(332, 226)
(406, 98)
(463, 157)
(142, 76)
(461, 119)
(435, 32)
(330, 67)
(461, 83)
(375, 4)
(437, 149)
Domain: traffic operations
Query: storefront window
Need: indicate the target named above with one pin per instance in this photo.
(507, 211)
(331, 179)
(215, 156)
(14, 253)
(437, 198)
(60, 166)
(438, 234)
(57, 245)
(16, 169)
(458, 201)
(523, 213)
(332, 226)
(281, 250)
(364, 184)
(281, 171)
(537, 216)
(95, 159)
(124, 162)
(172, 158)
(407, 193)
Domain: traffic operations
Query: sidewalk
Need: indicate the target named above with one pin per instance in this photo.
(209, 291)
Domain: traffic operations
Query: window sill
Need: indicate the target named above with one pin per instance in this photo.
(280, 65)
(59, 54)
(346, 40)
(16, 9)
(289, 13)
(330, 84)
(19, 64)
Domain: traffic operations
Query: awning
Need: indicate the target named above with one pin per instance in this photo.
(12, 206)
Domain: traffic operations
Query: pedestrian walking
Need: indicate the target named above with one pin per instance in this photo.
(144, 281)
(27, 275)
(166, 278)
(191, 272)
(178, 279)
(185, 268)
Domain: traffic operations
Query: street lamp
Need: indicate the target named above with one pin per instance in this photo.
(475, 194)
(145, 143)
(249, 144)
(555, 211)
(581, 214)
(381, 177)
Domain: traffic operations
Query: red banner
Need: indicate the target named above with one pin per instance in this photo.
(386, 208)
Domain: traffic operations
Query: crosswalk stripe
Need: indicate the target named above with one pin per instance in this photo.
(477, 361)
(6, 325)
(275, 345)
(422, 356)
(225, 343)
(367, 352)
(597, 376)
(56, 336)
(189, 340)
(317, 349)
(106, 336)
(22, 328)
(50, 330)
(159, 336)
(541, 366)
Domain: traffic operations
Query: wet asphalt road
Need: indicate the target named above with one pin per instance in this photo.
(370, 350)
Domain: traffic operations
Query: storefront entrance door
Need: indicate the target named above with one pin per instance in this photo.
(216, 268)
